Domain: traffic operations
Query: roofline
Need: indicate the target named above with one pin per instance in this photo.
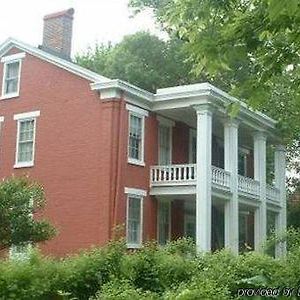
(149, 99)
(64, 64)
(171, 94)
(124, 86)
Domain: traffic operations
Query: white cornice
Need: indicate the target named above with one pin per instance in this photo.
(132, 94)
(64, 64)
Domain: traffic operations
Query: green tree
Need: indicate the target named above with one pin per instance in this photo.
(250, 48)
(141, 59)
(20, 199)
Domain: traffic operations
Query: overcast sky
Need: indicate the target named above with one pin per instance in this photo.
(94, 20)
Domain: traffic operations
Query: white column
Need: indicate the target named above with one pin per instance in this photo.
(203, 185)
(231, 165)
(280, 169)
(260, 222)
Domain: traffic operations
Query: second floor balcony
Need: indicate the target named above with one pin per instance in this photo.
(186, 175)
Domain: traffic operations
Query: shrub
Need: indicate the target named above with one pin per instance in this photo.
(123, 290)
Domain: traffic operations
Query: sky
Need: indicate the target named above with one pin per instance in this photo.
(94, 21)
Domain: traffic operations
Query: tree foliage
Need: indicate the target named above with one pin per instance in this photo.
(141, 59)
(19, 200)
(249, 48)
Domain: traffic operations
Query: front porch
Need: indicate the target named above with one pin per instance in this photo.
(226, 169)
(177, 218)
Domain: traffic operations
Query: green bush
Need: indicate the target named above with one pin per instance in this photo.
(167, 273)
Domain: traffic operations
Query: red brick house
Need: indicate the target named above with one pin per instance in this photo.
(165, 165)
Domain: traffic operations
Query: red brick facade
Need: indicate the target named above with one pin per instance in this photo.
(81, 156)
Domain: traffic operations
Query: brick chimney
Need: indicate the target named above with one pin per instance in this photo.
(57, 35)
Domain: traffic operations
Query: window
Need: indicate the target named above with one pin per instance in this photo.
(190, 219)
(242, 162)
(164, 227)
(164, 145)
(11, 75)
(25, 139)
(136, 135)
(193, 146)
(134, 222)
(134, 226)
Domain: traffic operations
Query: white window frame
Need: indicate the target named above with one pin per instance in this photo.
(163, 122)
(170, 219)
(15, 58)
(138, 194)
(140, 113)
(28, 116)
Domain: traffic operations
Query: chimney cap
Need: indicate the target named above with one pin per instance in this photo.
(68, 13)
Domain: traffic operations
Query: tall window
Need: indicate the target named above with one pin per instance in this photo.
(193, 146)
(164, 145)
(136, 133)
(11, 75)
(25, 139)
(134, 221)
(135, 137)
(242, 163)
(163, 222)
(11, 78)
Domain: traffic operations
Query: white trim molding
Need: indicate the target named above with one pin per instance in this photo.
(13, 57)
(28, 116)
(1, 119)
(135, 192)
(137, 110)
(53, 59)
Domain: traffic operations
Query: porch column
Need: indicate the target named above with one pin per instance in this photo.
(260, 216)
(280, 169)
(203, 183)
(231, 165)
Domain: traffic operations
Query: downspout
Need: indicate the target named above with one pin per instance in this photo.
(119, 164)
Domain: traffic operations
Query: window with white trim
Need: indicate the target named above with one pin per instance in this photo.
(135, 137)
(25, 145)
(136, 133)
(164, 224)
(165, 144)
(11, 75)
(134, 221)
(242, 161)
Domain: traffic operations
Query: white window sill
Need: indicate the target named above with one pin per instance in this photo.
(24, 165)
(134, 246)
(136, 162)
(9, 96)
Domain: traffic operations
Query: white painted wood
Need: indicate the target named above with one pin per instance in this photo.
(203, 181)
(231, 165)
(260, 216)
(248, 185)
(280, 169)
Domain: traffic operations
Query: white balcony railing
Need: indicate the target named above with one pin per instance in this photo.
(185, 175)
(248, 185)
(272, 193)
(220, 177)
(173, 174)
